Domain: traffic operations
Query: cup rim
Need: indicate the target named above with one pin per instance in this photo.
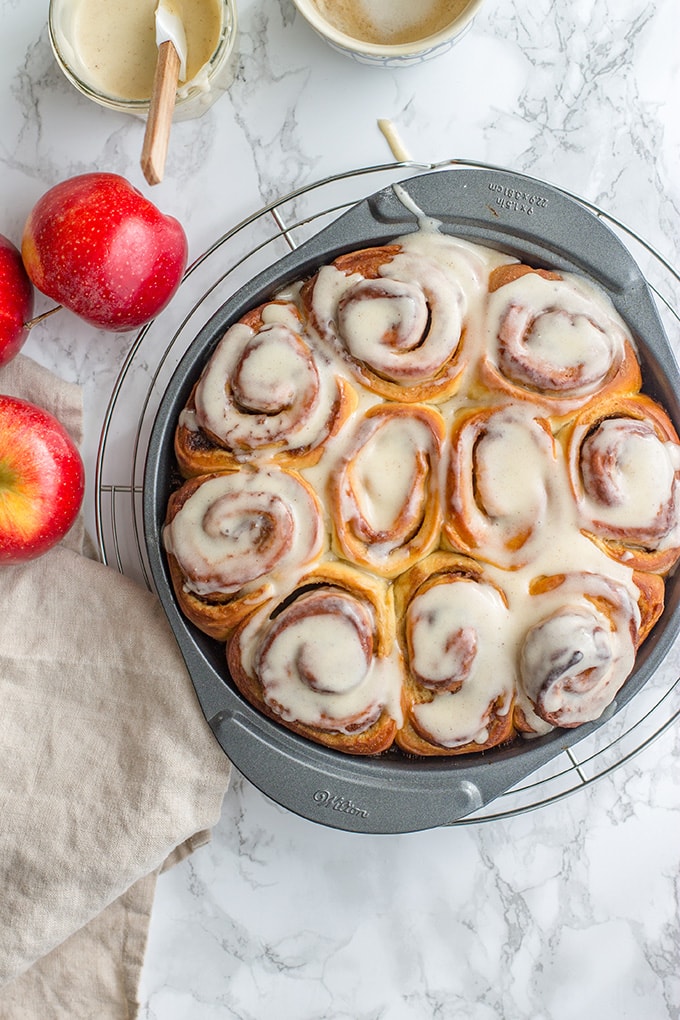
(310, 12)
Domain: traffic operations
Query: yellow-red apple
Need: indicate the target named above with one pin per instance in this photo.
(42, 481)
(98, 246)
(16, 300)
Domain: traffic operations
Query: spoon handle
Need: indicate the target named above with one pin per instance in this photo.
(161, 108)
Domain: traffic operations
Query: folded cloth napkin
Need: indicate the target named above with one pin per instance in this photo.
(108, 771)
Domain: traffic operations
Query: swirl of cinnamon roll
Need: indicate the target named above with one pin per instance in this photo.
(454, 628)
(397, 316)
(322, 661)
(232, 537)
(555, 339)
(384, 492)
(501, 472)
(263, 394)
(580, 648)
(624, 462)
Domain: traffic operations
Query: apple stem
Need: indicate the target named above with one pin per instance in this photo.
(44, 315)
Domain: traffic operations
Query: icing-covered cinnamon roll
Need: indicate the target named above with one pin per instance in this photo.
(624, 461)
(263, 394)
(323, 661)
(384, 492)
(580, 647)
(502, 468)
(554, 339)
(454, 626)
(397, 316)
(232, 538)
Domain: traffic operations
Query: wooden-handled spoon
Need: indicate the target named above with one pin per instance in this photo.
(170, 69)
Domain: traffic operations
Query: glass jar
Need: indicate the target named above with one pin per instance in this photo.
(108, 52)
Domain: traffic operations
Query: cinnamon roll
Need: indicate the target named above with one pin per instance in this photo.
(454, 626)
(581, 646)
(263, 394)
(397, 317)
(501, 473)
(232, 538)
(322, 661)
(384, 492)
(554, 339)
(624, 462)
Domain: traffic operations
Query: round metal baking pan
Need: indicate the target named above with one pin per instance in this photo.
(393, 794)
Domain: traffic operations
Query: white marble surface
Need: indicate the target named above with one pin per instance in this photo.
(567, 911)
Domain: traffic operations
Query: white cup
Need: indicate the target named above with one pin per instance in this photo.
(416, 41)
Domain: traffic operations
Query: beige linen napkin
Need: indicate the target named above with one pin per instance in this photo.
(108, 770)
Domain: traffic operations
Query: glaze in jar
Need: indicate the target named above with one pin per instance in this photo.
(108, 51)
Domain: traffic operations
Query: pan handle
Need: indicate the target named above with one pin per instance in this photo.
(360, 795)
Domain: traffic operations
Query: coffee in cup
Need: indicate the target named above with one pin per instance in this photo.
(390, 22)
(389, 32)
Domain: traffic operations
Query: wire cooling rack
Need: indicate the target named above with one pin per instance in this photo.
(233, 259)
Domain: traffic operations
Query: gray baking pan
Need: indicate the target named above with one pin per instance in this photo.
(392, 793)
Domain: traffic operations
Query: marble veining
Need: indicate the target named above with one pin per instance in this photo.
(564, 912)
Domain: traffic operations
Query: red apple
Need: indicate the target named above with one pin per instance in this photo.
(16, 301)
(42, 480)
(96, 245)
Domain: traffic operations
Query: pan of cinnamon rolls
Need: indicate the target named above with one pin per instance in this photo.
(412, 501)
